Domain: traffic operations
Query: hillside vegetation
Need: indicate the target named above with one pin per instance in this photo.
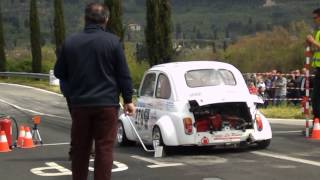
(197, 18)
(246, 33)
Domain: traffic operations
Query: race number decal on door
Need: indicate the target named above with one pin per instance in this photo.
(142, 117)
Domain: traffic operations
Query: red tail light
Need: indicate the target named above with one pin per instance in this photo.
(187, 125)
(259, 123)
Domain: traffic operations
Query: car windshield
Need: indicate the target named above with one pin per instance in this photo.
(209, 77)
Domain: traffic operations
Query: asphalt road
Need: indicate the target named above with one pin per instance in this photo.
(290, 155)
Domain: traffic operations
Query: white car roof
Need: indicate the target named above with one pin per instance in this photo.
(176, 72)
(191, 65)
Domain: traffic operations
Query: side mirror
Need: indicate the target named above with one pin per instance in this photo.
(135, 93)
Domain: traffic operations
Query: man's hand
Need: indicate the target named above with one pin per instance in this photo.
(129, 109)
(310, 39)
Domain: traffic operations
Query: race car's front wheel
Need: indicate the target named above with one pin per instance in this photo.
(263, 144)
(122, 139)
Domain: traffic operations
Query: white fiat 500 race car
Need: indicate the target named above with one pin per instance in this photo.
(198, 103)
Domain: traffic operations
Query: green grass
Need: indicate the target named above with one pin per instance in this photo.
(283, 112)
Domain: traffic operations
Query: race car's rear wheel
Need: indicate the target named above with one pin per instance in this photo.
(122, 139)
(157, 140)
(157, 137)
(263, 144)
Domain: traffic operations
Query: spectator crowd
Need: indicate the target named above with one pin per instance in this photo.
(277, 88)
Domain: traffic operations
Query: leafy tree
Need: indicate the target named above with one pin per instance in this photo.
(165, 23)
(158, 31)
(280, 49)
(59, 27)
(227, 35)
(35, 37)
(152, 32)
(225, 45)
(115, 20)
(2, 45)
(178, 31)
(214, 48)
(199, 34)
(215, 34)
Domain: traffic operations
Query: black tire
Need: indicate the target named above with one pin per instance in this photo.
(263, 144)
(122, 139)
(167, 150)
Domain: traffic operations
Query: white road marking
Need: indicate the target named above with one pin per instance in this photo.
(55, 144)
(29, 87)
(288, 158)
(120, 166)
(157, 164)
(32, 111)
(286, 132)
(61, 171)
(284, 166)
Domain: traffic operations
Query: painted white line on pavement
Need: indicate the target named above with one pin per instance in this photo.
(31, 111)
(29, 87)
(60, 170)
(157, 164)
(120, 166)
(55, 144)
(54, 169)
(288, 158)
(286, 132)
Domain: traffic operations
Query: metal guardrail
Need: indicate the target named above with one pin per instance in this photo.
(25, 75)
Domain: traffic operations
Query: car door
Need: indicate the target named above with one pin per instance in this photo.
(145, 105)
(161, 104)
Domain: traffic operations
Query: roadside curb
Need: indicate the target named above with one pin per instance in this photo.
(298, 122)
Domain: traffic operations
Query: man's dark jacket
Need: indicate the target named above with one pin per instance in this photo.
(93, 65)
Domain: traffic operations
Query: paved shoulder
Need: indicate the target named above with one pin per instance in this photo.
(33, 99)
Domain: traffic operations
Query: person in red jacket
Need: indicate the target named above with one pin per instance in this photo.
(252, 88)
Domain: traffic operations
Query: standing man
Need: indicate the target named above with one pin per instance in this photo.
(280, 88)
(94, 65)
(314, 41)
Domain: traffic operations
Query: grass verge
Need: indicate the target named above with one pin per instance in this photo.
(283, 112)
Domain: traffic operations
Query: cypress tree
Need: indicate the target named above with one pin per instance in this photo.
(2, 45)
(165, 24)
(35, 37)
(158, 31)
(152, 33)
(59, 26)
(115, 20)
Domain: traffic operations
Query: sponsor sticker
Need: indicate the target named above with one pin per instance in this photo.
(205, 141)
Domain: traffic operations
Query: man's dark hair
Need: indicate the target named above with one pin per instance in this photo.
(96, 13)
(316, 11)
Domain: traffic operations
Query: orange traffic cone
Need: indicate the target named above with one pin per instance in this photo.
(4, 146)
(316, 130)
(22, 134)
(27, 140)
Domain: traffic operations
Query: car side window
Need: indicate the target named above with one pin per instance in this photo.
(163, 87)
(147, 88)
